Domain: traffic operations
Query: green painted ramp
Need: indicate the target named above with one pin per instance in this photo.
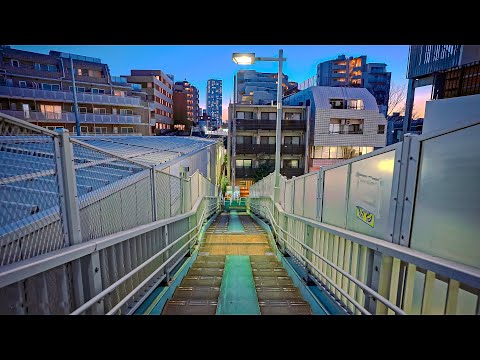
(234, 223)
(237, 292)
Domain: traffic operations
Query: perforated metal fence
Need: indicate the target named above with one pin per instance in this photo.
(30, 223)
(57, 191)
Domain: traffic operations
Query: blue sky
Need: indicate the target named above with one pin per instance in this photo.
(198, 63)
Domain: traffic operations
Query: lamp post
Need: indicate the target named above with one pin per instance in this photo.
(249, 59)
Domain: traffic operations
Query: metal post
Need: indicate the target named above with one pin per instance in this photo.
(75, 103)
(407, 119)
(68, 208)
(234, 136)
(71, 221)
(306, 142)
(276, 195)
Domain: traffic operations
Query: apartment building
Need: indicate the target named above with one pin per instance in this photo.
(256, 138)
(38, 88)
(186, 108)
(214, 101)
(159, 89)
(356, 72)
(259, 88)
(343, 123)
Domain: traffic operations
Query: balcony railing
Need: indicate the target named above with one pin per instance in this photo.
(346, 132)
(67, 96)
(255, 148)
(289, 172)
(294, 149)
(70, 117)
(270, 124)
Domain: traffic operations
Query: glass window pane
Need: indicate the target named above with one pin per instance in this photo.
(325, 152)
(239, 163)
(271, 140)
(247, 163)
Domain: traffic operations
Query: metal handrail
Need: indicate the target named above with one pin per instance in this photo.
(364, 287)
(120, 281)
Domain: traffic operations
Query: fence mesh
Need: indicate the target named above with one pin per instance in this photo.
(30, 223)
(114, 193)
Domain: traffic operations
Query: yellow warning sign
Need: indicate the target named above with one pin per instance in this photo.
(365, 216)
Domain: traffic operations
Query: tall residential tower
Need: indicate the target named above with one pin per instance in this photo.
(214, 100)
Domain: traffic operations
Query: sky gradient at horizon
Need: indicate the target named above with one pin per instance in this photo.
(198, 63)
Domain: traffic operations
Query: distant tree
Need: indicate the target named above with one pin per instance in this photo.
(398, 95)
(264, 168)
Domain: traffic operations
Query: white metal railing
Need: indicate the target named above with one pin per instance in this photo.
(364, 211)
(279, 230)
(108, 290)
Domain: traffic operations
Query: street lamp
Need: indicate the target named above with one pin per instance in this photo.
(249, 59)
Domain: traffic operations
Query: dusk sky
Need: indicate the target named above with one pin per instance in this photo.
(198, 63)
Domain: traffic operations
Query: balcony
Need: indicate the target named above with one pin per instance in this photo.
(67, 96)
(294, 125)
(270, 124)
(339, 75)
(255, 148)
(244, 172)
(293, 149)
(69, 117)
(289, 172)
(341, 66)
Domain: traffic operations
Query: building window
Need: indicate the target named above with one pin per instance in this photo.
(119, 93)
(98, 91)
(338, 152)
(292, 116)
(346, 126)
(267, 140)
(244, 163)
(245, 115)
(54, 127)
(78, 88)
(101, 111)
(51, 111)
(100, 130)
(268, 116)
(83, 129)
(22, 84)
(126, 130)
(356, 104)
(381, 129)
(15, 63)
(337, 103)
(46, 67)
(126, 112)
(81, 109)
(290, 164)
(244, 140)
(291, 140)
(51, 87)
